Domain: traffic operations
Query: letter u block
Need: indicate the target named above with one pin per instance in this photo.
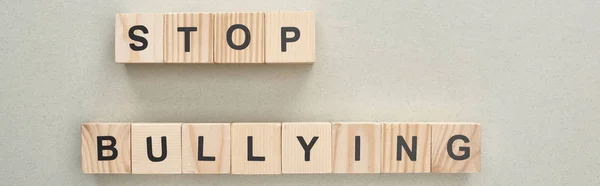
(256, 148)
(105, 148)
(456, 148)
(139, 38)
(156, 148)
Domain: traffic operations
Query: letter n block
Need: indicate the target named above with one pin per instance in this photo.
(205, 148)
(188, 38)
(239, 37)
(306, 148)
(156, 148)
(256, 148)
(356, 147)
(406, 148)
(456, 148)
(139, 38)
(105, 148)
(290, 37)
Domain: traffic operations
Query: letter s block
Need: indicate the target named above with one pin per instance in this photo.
(156, 148)
(139, 38)
(105, 148)
(239, 37)
(290, 37)
(455, 148)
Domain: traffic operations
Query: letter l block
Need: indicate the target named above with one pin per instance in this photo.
(256, 148)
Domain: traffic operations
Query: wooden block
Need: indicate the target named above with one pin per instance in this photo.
(188, 38)
(205, 148)
(105, 148)
(306, 148)
(239, 37)
(156, 148)
(289, 37)
(356, 147)
(256, 148)
(406, 148)
(139, 38)
(455, 148)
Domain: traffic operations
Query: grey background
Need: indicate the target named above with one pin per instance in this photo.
(528, 71)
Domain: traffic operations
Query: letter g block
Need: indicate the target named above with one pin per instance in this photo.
(455, 148)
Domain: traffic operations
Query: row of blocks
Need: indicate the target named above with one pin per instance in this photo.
(275, 148)
(251, 37)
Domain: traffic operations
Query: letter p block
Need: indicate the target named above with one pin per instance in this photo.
(105, 148)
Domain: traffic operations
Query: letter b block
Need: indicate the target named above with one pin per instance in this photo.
(455, 148)
(290, 37)
(156, 148)
(139, 38)
(239, 37)
(105, 148)
(256, 148)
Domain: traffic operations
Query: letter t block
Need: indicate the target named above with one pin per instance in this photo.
(455, 148)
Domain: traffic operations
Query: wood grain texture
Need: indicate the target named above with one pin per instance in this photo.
(441, 161)
(422, 163)
(200, 41)
(293, 154)
(300, 51)
(141, 163)
(343, 135)
(254, 53)
(153, 53)
(266, 138)
(216, 142)
(89, 149)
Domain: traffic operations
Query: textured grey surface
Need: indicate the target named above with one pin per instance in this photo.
(528, 71)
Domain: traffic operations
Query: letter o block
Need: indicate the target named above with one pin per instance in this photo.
(150, 142)
(455, 148)
(139, 38)
(100, 142)
(239, 37)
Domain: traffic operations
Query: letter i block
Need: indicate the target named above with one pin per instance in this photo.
(406, 148)
(356, 147)
(455, 148)
(290, 37)
(256, 148)
(205, 148)
(139, 38)
(188, 38)
(156, 148)
(306, 148)
(105, 148)
(239, 37)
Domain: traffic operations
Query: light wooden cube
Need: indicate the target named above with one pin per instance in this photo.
(406, 148)
(156, 161)
(205, 148)
(240, 47)
(347, 158)
(188, 38)
(105, 148)
(300, 153)
(290, 37)
(456, 148)
(130, 30)
(264, 155)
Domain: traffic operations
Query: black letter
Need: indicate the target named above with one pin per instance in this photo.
(163, 141)
(307, 147)
(201, 157)
(110, 147)
(467, 150)
(230, 33)
(356, 148)
(186, 37)
(285, 40)
(138, 38)
(250, 156)
(412, 154)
